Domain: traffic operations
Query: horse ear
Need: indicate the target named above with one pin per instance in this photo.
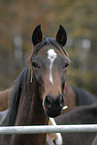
(61, 36)
(37, 35)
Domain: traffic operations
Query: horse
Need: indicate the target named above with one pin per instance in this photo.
(38, 91)
(74, 97)
(83, 97)
(86, 114)
(4, 98)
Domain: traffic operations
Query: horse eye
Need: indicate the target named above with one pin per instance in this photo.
(66, 65)
(35, 65)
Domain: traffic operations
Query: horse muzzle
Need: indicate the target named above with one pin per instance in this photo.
(53, 107)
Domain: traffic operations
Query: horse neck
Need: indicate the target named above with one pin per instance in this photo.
(70, 97)
(30, 112)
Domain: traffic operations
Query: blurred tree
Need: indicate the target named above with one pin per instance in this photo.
(19, 17)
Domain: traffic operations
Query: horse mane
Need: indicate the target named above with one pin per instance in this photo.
(21, 82)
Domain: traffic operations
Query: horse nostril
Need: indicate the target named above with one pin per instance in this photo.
(48, 101)
(60, 100)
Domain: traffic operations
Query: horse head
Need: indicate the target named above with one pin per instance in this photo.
(48, 65)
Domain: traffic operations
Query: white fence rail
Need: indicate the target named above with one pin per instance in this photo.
(48, 129)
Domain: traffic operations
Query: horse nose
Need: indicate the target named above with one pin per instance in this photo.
(51, 103)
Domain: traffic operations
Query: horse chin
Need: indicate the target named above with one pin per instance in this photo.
(53, 113)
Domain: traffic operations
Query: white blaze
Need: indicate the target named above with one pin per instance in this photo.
(51, 56)
(58, 140)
